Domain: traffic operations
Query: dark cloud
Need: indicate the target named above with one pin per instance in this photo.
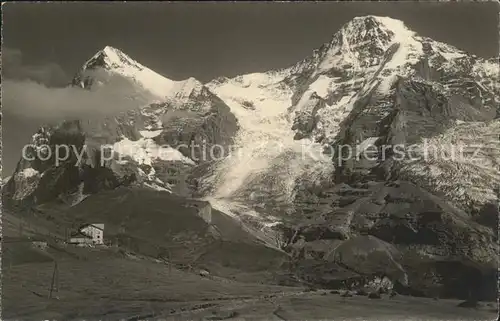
(28, 104)
(52, 104)
(50, 74)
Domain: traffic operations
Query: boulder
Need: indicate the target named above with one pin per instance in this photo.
(374, 295)
(469, 304)
(346, 294)
(204, 273)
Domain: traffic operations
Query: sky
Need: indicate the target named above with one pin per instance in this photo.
(49, 42)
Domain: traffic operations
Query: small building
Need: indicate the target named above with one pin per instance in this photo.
(79, 238)
(88, 234)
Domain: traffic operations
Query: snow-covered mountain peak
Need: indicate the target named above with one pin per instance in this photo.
(188, 88)
(113, 61)
(111, 58)
(372, 29)
(377, 24)
(362, 42)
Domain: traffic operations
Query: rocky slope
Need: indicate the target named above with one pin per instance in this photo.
(377, 91)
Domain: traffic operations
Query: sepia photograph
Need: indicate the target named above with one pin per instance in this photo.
(246, 160)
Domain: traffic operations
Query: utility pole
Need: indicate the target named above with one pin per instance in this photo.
(54, 285)
(169, 262)
(21, 228)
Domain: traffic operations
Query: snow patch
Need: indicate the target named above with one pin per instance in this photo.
(80, 196)
(145, 151)
(408, 52)
(150, 133)
(29, 172)
(322, 86)
(486, 68)
(365, 144)
(330, 117)
(156, 187)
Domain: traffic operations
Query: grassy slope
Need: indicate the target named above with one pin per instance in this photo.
(147, 223)
(103, 283)
(160, 224)
(108, 283)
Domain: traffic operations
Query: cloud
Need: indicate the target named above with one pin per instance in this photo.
(50, 74)
(34, 100)
(30, 100)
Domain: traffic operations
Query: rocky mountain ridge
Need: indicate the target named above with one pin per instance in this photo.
(358, 87)
(150, 145)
